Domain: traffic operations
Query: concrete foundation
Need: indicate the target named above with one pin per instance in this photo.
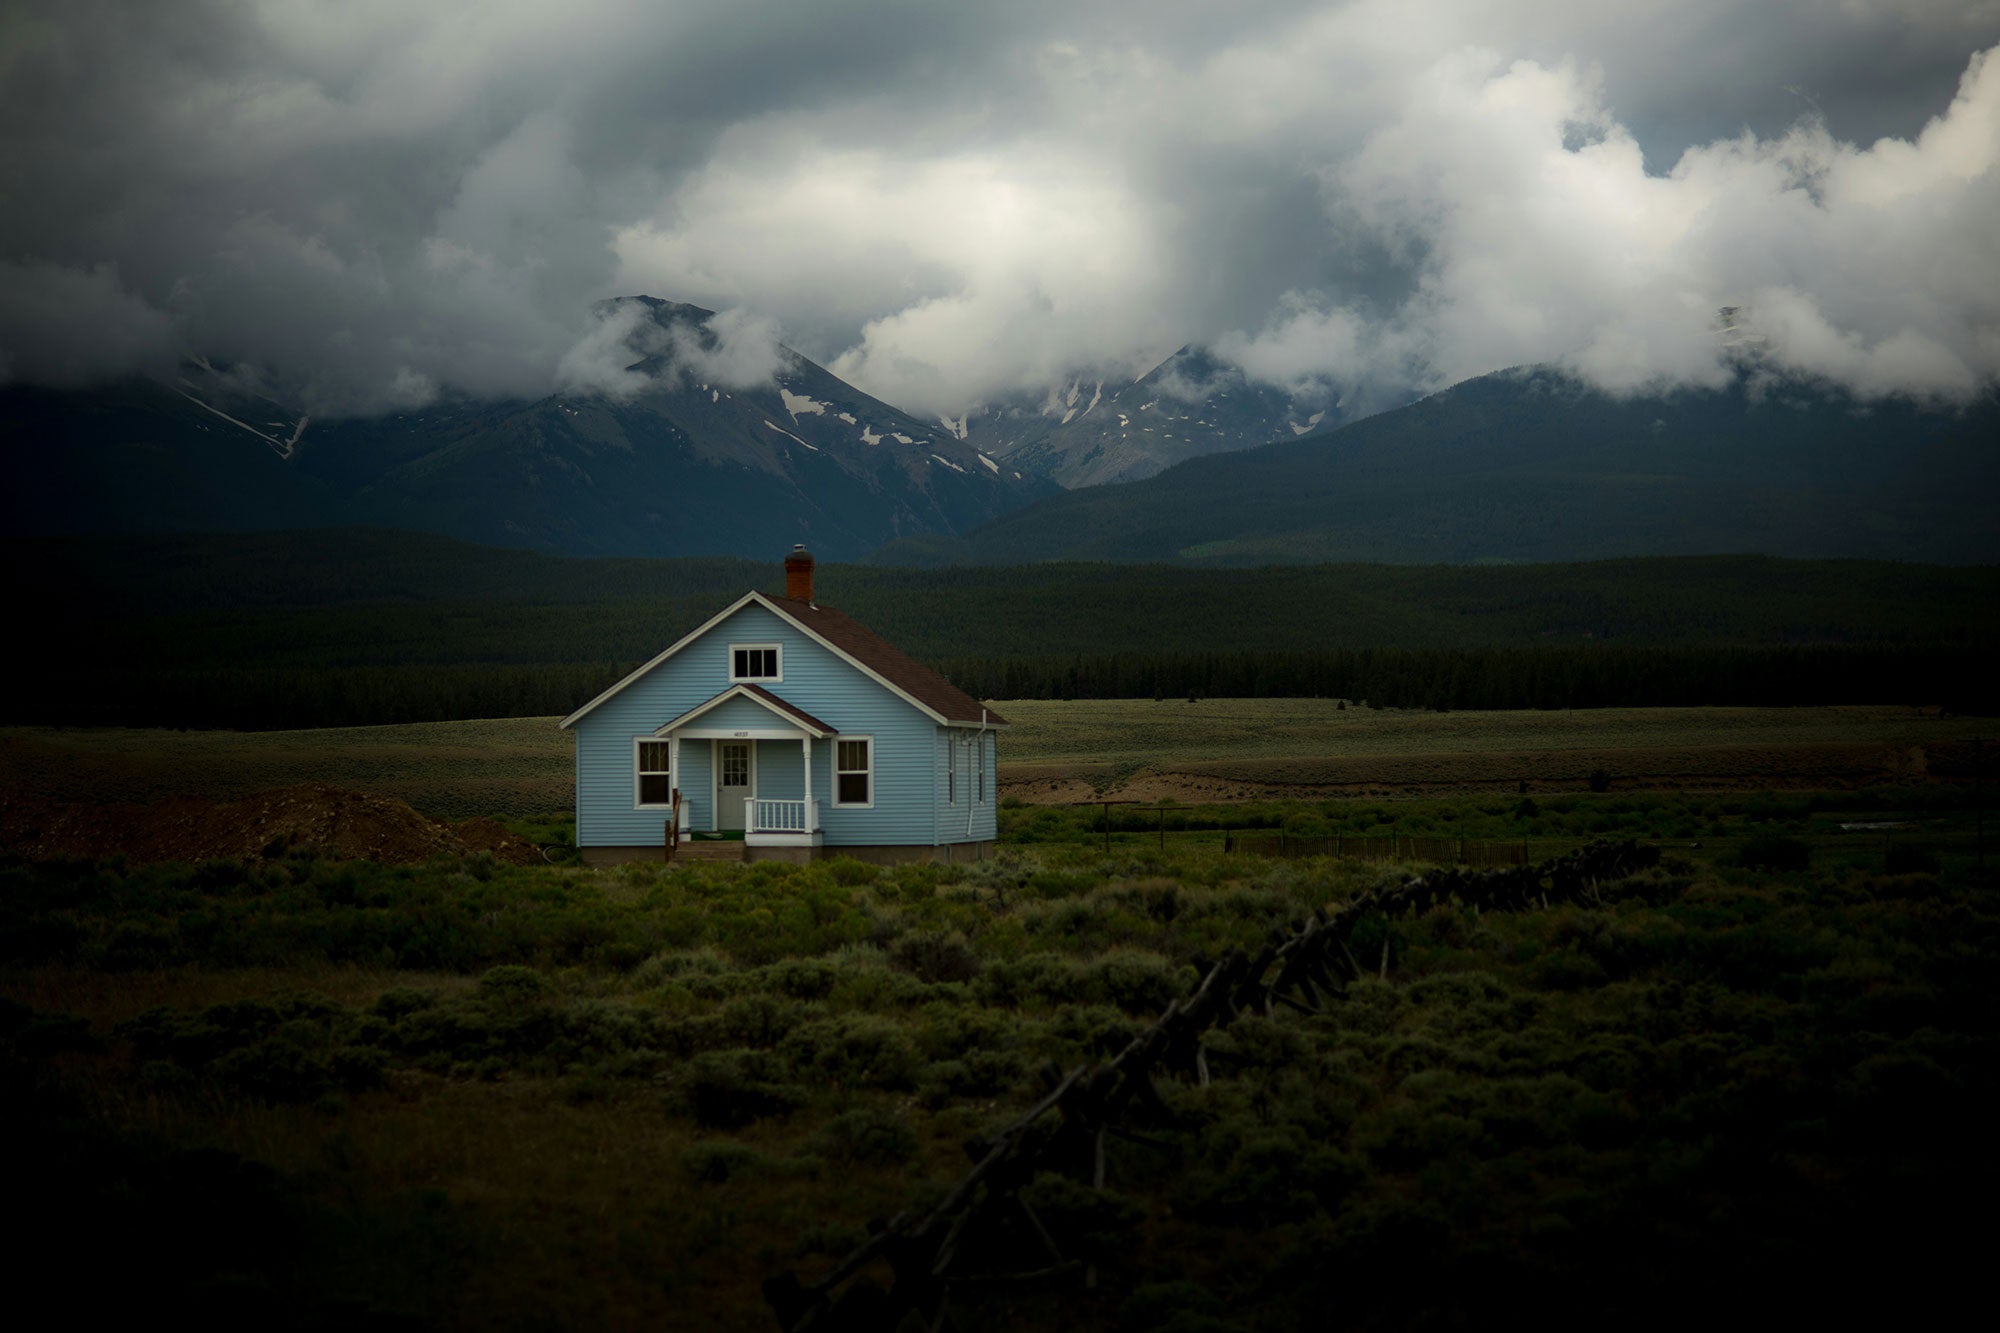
(951, 853)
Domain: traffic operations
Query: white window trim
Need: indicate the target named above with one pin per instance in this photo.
(673, 764)
(736, 648)
(836, 802)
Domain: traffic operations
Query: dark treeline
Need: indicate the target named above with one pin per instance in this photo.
(253, 698)
(359, 627)
(386, 597)
(1594, 676)
(262, 699)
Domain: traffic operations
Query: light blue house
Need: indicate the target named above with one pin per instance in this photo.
(793, 725)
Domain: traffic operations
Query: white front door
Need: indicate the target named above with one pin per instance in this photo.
(734, 782)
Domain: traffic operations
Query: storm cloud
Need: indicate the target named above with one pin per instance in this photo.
(381, 203)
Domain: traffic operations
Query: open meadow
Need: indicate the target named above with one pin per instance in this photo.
(459, 1093)
(1057, 751)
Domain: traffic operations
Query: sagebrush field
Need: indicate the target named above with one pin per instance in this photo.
(462, 1094)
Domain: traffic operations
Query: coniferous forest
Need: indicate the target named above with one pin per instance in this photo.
(365, 626)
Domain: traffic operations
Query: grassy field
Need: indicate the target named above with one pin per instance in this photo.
(1175, 731)
(462, 1095)
(450, 770)
(1217, 749)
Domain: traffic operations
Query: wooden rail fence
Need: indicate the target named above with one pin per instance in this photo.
(977, 1233)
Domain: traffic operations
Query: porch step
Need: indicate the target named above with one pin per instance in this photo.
(721, 849)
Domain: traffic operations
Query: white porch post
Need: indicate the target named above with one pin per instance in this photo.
(806, 748)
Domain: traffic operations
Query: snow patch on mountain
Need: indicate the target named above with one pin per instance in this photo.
(284, 448)
(782, 431)
(796, 403)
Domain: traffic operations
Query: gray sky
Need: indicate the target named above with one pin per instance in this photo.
(383, 201)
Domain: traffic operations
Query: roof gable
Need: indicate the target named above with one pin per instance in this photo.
(861, 648)
(886, 663)
(757, 694)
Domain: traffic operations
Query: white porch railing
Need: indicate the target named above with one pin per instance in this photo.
(762, 816)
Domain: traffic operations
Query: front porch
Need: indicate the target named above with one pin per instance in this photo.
(746, 757)
(782, 823)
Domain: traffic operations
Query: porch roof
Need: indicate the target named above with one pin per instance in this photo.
(757, 694)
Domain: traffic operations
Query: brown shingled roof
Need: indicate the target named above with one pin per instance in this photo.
(888, 661)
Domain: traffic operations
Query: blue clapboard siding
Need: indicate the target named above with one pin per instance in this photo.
(964, 813)
(697, 783)
(909, 746)
(781, 772)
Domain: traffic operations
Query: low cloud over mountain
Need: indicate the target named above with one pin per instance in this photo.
(957, 205)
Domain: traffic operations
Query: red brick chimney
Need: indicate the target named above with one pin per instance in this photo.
(799, 575)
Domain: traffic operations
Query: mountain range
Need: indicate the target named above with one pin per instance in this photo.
(1530, 465)
(683, 466)
(1094, 432)
(1177, 465)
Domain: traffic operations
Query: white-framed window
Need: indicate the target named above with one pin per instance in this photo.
(853, 771)
(652, 774)
(950, 769)
(755, 662)
(979, 772)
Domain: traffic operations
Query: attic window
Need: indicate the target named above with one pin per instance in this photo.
(755, 661)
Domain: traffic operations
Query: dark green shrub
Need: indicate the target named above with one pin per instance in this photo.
(1566, 969)
(30, 1033)
(512, 985)
(850, 873)
(854, 1050)
(867, 1136)
(1773, 851)
(743, 1020)
(727, 1089)
(1140, 983)
(1270, 1176)
(1036, 978)
(1909, 858)
(936, 956)
(134, 945)
(1406, 1137)
(800, 978)
(1161, 1305)
(402, 1001)
(716, 1160)
(1085, 1223)
(978, 1073)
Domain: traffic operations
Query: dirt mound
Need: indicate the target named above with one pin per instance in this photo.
(316, 819)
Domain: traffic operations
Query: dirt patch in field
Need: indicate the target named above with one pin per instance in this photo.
(310, 819)
(1816, 766)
